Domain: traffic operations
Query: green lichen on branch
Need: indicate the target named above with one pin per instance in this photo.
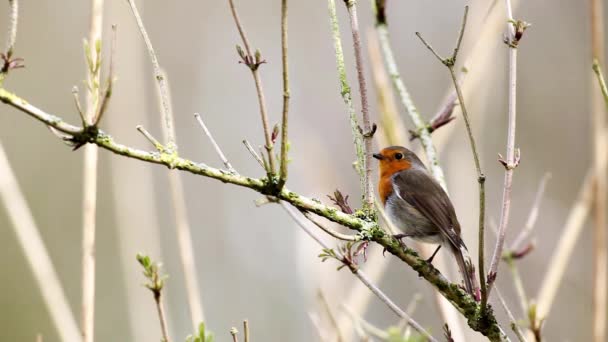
(363, 223)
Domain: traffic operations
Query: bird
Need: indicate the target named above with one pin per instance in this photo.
(416, 204)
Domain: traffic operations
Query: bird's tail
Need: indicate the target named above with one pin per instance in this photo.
(466, 268)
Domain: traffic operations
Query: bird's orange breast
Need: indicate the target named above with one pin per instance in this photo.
(387, 170)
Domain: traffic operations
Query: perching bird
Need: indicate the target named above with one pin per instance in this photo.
(418, 205)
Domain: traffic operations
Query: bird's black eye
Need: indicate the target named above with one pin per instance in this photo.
(398, 156)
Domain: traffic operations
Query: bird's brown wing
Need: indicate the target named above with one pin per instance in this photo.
(422, 192)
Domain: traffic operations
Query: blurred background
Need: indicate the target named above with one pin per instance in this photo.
(255, 263)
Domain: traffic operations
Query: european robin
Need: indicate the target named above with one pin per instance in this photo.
(418, 205)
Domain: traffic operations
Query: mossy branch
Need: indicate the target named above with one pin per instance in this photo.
(365, 225)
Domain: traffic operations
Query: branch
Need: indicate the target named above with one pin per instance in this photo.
(600, 149)
(217, 148)
(89, 198)
(359, 274)
(420, 126)
(515, 30)
(362, 224)
(284, 125)
(162, 83)
(253, 62)
(368, 129)
(346, 93)
(449, 62)
(22, 222)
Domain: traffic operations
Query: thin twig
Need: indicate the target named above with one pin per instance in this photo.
(184, 237)
(107, 93)
(163, 88)
(367, 327)
(514, 325)
(253, 153)
(331, 232)
(157, 145)
(361, 275)
(13, 20)
(407, 102)
(392, 129)
(330, 315)
(450, 63)
(512, 157)
(235, 334)
(284, 124)
(253, 64)
(217, 148)
(89, 199)
(600, 148)
(36, 254)
(533, 216)
(368, 130)
(246, 330)
(345, 91)
(162, 318)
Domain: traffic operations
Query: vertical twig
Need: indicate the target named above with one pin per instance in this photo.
(253, 63)
(163, 87)
(183, 232)
(177, 188)
(408, 103)
(600, 148)
(346, 92)
(12, 27)
(284, 125)
(37, 256)
(89, 202)
(368, 130)
(450, 63)
(514, 32)
(246, 330)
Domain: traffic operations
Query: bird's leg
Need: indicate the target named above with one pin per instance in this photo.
(430, 260)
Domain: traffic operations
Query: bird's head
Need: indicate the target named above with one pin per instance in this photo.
(396, 158)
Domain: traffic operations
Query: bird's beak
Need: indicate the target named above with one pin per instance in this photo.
(378, 156)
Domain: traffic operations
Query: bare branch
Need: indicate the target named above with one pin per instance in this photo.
(345, 91)
(217, 148)
(157, 145)
(599, 102)
(512, 157)
(284, 125)
(13, 20)
(163, 88)
(36, 253)
(368, 130)
(253, 153)
(89, 195)
(253, 63)
(449, 63)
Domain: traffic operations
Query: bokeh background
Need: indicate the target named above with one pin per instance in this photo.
(254, 262)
